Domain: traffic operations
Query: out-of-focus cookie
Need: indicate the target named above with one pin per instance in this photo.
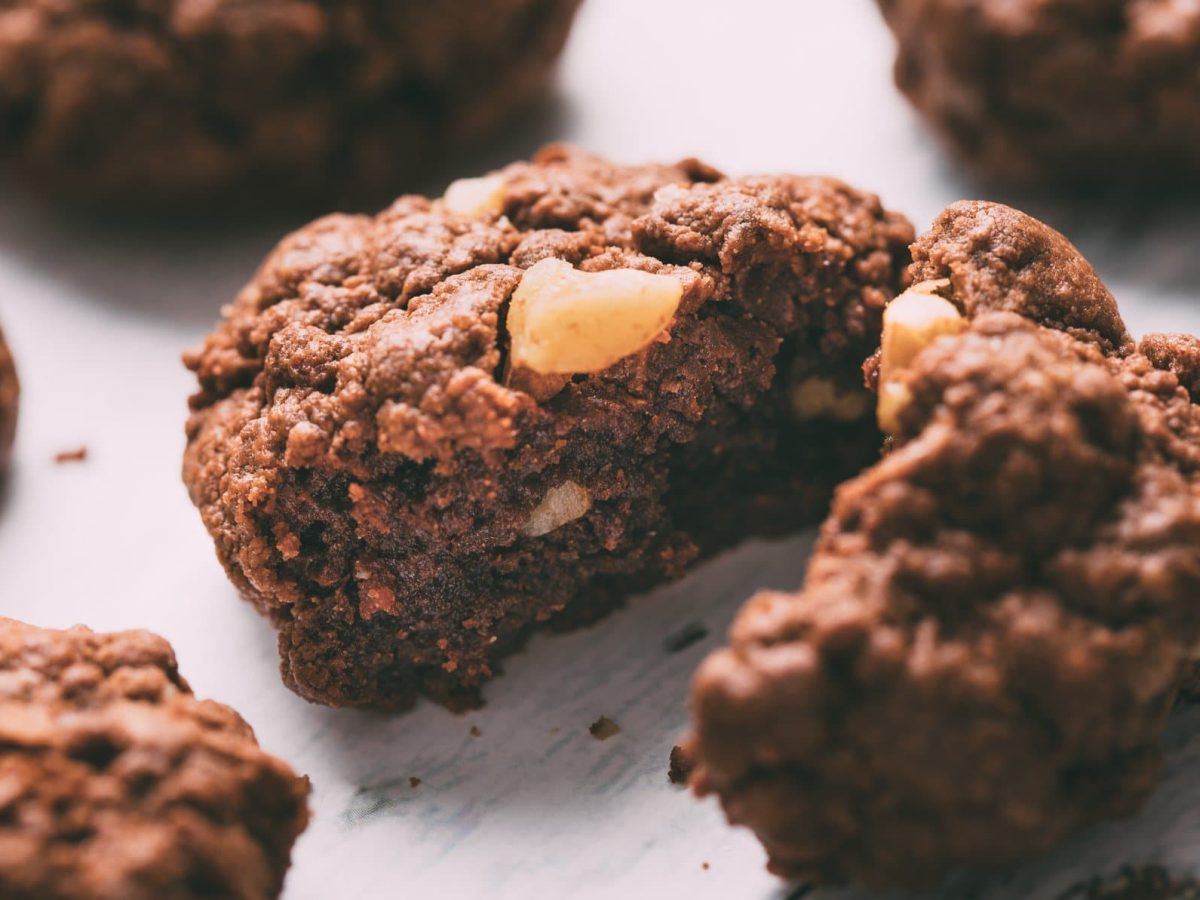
(226, 100)
(10, 392)
(420, 435)
(1100, 91)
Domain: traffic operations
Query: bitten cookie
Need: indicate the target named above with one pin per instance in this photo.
(107, 99)
(998, 615)
(422, 434)
(117, 784)
(1023, 90)
(10, 391)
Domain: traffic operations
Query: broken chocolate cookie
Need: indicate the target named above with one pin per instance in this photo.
(149, 101)
(118, 783)
(1105, 91)
(998, 615)
(421, 435)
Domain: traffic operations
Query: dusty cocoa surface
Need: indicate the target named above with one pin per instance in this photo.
(10, 391)
(147, 101)
(1106, 91)
(365, 462)
(118, 784)
(999, 615)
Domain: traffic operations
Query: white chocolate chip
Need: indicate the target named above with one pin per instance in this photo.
(562, 504)
(820, 398)
(911, 322)
(563, 321)
(475, 197)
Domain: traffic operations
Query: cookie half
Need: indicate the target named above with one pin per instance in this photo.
(423, 434)
(998, 615)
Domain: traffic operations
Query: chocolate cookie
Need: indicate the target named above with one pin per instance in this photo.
(151, 100)
(998, 615)
(10, 391)
(422, 434)
(118, 784)
(1107, 90)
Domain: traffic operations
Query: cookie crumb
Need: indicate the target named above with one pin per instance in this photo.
(681, 766)
(414, 782)
(475, 732)
(691, 633)
(604, 728)
(79, 454)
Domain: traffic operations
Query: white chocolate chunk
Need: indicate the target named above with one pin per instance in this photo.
(911, 322)
(475, 197)
(563, 321)
(562, 504)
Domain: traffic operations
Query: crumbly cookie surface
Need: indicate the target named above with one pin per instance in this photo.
(406, 503)
(998, 616)
(9, 401)
(1104, 91)
(117, 784)
(142, 101)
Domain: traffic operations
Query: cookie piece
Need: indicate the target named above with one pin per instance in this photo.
(10, 390)
(1105, 91)
(997, 616)
(107, 99)
(118, 784)
(422, 434)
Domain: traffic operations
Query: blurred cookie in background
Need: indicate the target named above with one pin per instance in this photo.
(1036, 90)
(10, 391)
(160, 99)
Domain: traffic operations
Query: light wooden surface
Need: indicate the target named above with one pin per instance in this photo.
(98, 312)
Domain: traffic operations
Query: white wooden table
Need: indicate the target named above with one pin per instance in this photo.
(98, 313)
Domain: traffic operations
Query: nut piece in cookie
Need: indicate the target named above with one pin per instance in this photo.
(119, 783)
(562, 504)
(1023, 90)
(565, 322)
(146, 103)
(420, 436)
(818, 398)
(911, 322)
(10, 391)
(475, 197)
(999, 614)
